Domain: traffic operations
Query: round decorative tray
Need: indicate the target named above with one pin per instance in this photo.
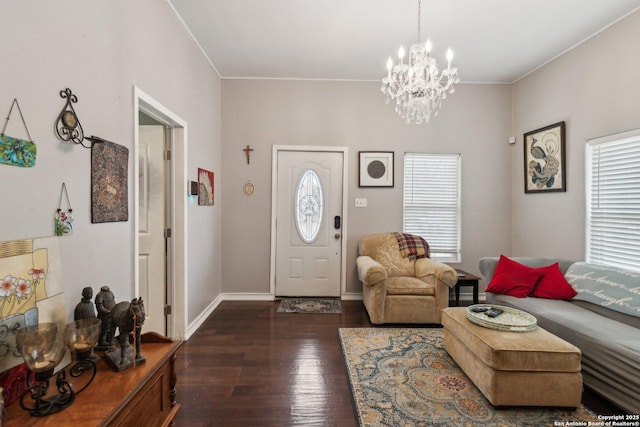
(511, 319)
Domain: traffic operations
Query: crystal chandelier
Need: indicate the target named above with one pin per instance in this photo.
(418, 87)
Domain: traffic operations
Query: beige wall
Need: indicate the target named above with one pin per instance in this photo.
(101, 49)
(475, 121)
(595, 89)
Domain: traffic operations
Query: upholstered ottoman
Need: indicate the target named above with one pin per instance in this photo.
(514, 368)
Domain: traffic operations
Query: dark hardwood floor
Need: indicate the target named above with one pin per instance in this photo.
(250, 366)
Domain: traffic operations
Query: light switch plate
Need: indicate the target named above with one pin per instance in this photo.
(361, 203)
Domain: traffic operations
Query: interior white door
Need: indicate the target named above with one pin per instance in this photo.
(152, 250)
(308, 224)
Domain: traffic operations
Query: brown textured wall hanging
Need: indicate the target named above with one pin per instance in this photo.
(109, 182)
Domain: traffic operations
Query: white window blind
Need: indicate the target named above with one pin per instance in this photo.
(613, 200)
(432, 202)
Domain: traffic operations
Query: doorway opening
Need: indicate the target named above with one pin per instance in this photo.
(156, 127)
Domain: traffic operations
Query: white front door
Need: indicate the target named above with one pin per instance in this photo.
(152, 220)
(309, 223)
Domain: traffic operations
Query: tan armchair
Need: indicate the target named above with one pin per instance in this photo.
(396, 289)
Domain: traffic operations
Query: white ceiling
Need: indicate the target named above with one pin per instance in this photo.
(493, 40)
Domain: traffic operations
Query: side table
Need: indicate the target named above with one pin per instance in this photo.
(467, 279)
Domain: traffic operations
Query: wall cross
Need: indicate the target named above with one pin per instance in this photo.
(247, 150)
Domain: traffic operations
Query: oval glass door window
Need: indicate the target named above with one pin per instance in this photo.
(309, 206)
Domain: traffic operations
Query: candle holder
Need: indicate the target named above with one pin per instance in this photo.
(42, 350)
(48, 332)
(80, 337)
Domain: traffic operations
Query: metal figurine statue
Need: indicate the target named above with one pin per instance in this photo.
(128, 318)
(84, 309)
(105, 301)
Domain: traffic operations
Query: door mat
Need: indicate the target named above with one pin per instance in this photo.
(405, 377)
(310, 305)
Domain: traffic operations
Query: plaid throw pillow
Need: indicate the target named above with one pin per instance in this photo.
(412, 246)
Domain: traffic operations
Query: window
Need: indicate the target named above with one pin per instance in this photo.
(432, 202)
(308, 203)
(613, 200)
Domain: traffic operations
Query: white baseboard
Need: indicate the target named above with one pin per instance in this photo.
(247, 297)
(193, 327)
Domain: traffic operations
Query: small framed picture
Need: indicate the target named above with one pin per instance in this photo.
(205, 187)
(375, 169)
(544, 159)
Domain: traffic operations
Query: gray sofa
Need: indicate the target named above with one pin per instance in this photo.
(600, 326)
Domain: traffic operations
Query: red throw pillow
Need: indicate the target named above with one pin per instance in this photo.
(513, 278)
(552, 284)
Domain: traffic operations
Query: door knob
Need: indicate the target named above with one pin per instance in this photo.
(337, 235)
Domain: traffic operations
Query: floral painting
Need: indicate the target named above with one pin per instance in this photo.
(18, 294)
(544, 159)
(30, 291)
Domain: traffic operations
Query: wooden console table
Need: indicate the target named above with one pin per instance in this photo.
(144, 395)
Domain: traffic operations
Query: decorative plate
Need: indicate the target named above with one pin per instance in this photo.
(248, 188)
(511, 320)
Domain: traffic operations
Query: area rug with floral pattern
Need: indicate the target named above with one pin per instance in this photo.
(310, 305)
(405, 377)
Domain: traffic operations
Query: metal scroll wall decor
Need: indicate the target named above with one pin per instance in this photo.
(67, 126)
